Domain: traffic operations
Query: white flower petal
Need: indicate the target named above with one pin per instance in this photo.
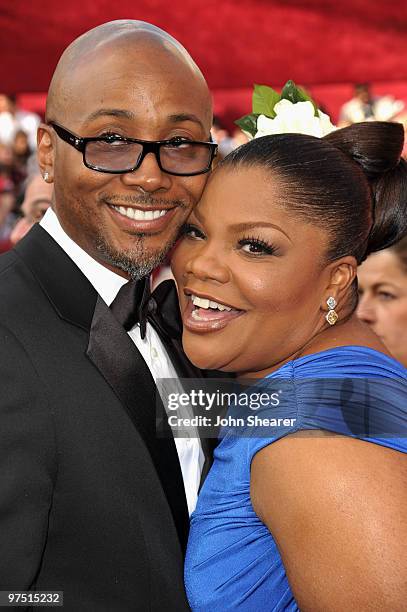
(264, 123)
(326, 126)
(282, 106)
(296, 118)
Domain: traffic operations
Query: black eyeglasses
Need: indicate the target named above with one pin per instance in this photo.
(116, 154)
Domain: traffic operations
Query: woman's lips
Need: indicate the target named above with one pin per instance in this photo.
(207, 319)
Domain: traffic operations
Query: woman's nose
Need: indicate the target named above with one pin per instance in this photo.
(365, 310)
(206, 266)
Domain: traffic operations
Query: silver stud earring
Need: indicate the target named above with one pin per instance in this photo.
(46, 177)
(331, 315)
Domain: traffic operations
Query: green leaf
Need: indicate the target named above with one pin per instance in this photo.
(248, 123)
(264, 99)
(296, 94)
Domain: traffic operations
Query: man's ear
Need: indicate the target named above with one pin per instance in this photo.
(45, 152)
(342, 273)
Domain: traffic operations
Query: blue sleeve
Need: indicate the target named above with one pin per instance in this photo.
(370, 407)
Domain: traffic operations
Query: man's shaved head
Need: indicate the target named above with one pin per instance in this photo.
(95, 46)
(131, 80)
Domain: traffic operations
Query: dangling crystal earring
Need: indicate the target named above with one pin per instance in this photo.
(331, 315)
(46, 177)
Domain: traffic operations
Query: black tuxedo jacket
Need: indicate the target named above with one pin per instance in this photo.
(82, 504)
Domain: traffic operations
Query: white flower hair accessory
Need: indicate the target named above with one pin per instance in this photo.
(292, 111)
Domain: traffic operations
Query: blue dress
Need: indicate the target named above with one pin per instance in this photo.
(232, 560)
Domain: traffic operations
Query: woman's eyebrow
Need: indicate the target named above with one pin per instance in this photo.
(240, 227)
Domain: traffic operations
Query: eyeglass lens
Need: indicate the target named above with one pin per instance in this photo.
(117, 155)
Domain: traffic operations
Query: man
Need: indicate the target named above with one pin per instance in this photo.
(37, 200)
(366, 107)
(13, 119)
(7, 216)
(91, 503)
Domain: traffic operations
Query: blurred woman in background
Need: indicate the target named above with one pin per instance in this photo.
(383, 297)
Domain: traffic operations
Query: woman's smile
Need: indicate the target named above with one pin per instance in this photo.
(205, 314)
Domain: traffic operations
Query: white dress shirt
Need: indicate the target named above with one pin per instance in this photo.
(107, 285)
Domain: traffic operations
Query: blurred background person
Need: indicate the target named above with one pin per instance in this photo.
(222, 137)
(23, 162)
(7, 216)
(6, 162)
(225, 140)
(18, 160)
(383, 297)
(21, 149)
(7, 122)
(37, 200)
(14, 119)
(238, 138)
(359, 108)
(366, 107)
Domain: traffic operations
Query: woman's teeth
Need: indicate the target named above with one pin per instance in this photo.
(203, 314)
(139, 215)
(206, 304)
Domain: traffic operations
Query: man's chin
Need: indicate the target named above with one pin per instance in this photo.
(136, 262)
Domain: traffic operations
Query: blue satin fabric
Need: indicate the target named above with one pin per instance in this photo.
(232, 560)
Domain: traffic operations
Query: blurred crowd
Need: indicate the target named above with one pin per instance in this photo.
(364, 106)
(24, 196)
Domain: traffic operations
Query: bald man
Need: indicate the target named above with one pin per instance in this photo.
(91, 502)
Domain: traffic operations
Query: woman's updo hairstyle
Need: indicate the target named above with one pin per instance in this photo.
(352, 183)
(400, 250)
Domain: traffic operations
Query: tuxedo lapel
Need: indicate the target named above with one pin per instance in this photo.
(67, 288)
(118, 360)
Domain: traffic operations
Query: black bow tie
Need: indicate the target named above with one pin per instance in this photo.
(136, 304)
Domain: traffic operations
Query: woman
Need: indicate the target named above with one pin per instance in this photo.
(311, 515)
(383, 297)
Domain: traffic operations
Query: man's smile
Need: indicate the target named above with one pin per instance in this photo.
(142, 219)
(138, 214)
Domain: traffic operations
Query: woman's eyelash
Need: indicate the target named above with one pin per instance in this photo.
(258, 245)
(192, 231)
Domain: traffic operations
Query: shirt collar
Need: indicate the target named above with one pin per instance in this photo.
(106, 282)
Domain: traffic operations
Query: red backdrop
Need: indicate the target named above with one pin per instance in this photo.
(325, 45)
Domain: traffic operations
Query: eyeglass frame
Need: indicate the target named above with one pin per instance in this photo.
(148, 146)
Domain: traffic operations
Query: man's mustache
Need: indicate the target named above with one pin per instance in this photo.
(142, 200)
